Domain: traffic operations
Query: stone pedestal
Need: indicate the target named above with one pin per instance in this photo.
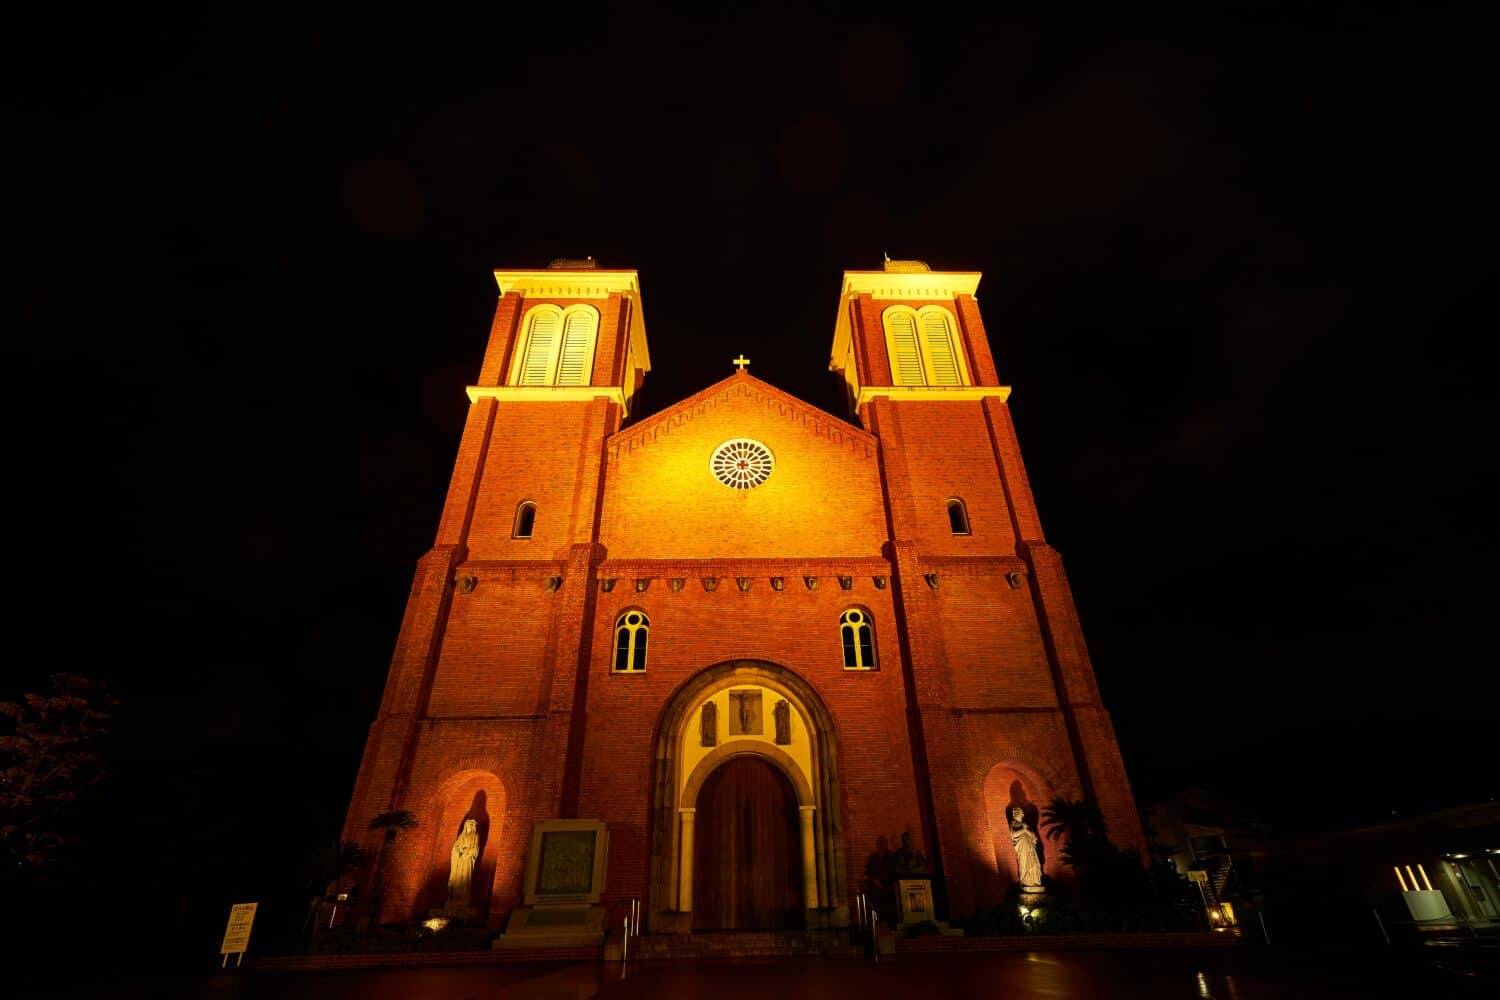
(1031, 896)
(456, 914)
(564, 879)
(914, 902)
(553, 926)
(914, 905)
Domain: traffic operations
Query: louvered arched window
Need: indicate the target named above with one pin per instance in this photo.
(923, 346)
(858, 636)
(631, 629)
(557, 346)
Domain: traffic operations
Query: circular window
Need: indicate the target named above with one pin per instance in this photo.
(741, 464)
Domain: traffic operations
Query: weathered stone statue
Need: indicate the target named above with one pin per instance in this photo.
(1024, 841)
(782, 713)
(907, 861)
(461, 862)
(710, 725)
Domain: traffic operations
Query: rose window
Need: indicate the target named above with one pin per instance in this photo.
(741, 464)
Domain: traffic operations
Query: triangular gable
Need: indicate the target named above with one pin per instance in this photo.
(744, 386)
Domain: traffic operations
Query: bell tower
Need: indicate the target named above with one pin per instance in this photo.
(995, 653)
(491, 661)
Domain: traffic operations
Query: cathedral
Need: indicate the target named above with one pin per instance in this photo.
(749, 642)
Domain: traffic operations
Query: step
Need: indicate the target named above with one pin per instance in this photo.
(738, 944)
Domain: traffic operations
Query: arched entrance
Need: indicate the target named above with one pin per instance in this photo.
(747, 869)
(772, 726)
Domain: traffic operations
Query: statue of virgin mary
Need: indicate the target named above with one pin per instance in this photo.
(461, 862)
(1024, 841)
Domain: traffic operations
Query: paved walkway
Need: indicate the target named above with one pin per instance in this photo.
(1238, 974)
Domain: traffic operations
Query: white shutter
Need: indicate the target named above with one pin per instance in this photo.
(942, 363)
(577, 364)
(541, 349)
(901, 341)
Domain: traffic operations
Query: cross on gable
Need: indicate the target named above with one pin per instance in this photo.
(740, 362)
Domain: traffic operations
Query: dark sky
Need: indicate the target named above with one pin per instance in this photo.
(1232, 270)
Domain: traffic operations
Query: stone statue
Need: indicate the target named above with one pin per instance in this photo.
(782, 713)
(907, 861)
(461, 862)
(710, 725)
(1024, 841)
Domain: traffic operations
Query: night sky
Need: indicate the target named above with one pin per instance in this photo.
(1231, 268)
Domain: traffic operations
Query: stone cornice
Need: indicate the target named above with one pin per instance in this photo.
(546, 393)
(946, 393)
(911, 285)
(563, 284)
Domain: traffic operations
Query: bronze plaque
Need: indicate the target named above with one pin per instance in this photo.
(567, 865)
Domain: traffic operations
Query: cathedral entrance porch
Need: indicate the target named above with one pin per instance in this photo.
(747, 868)
(745, 826)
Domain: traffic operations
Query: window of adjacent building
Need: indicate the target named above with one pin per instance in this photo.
(630, 641)
(923, 347)
(958, 517)
(557, 346)
(1210, 844)
(859, 639)
(525, 520)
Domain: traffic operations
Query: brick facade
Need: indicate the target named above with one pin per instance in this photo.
(501, 702)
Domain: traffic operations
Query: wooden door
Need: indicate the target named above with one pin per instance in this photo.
(747, 863)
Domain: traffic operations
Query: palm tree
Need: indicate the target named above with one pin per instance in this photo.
(392, 823)
(1077, 823)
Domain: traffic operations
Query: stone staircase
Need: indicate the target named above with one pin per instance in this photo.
(742, 944)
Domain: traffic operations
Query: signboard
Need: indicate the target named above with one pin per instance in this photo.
(1197, 876)
(237, 933)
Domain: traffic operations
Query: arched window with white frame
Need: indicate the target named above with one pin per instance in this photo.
(556, 346)
(857, 633)
(922, 345)
(958, 516)
(631, 630)
(525, 520)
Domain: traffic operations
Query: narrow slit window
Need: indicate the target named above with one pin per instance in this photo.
(858, 639)
(525, 520)
(958, 517)
(631, 630)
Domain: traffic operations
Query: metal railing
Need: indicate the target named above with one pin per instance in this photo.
(630, 924)
(867, 920)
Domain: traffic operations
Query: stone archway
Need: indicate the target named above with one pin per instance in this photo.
(800, 744)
